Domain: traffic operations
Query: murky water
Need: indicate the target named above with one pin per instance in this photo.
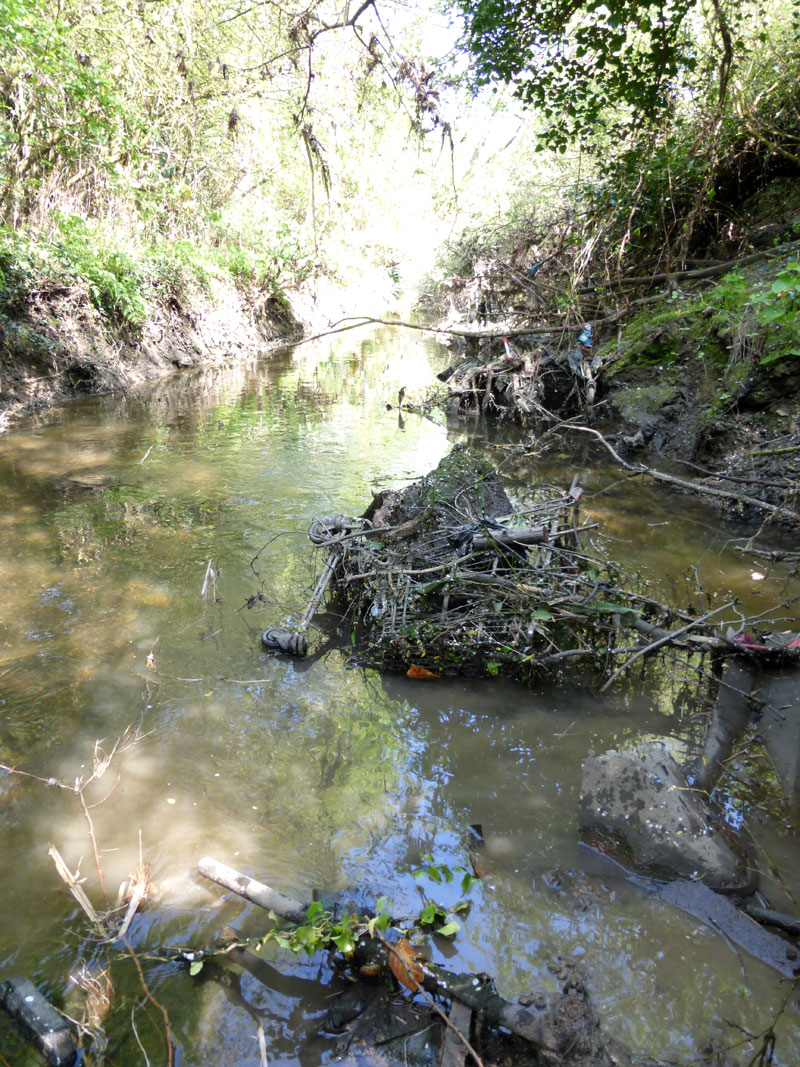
(315, 774)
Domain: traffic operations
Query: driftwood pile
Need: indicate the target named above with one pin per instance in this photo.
(508, 385)
(520, 382)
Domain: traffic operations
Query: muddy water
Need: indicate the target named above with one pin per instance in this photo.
(318, 774)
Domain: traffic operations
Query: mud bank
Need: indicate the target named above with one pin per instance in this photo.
(57, 346)
(693, 391)
(703, 382)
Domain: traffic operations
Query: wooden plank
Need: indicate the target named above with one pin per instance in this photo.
(454, 1051)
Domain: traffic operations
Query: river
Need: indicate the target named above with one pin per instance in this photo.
(319, 773)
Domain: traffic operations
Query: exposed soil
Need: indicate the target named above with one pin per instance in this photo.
(681, 387)
(57, 345)
(685, 415)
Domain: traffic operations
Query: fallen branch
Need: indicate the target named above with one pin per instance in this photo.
(535, 1020)
(672, 635)
(701, 640)
(687, 275)
(685, 483)
(452, 331)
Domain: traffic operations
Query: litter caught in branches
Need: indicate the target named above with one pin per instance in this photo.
(446, 577)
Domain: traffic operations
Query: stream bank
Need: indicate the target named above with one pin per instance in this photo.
(55, 343)
(701, 379)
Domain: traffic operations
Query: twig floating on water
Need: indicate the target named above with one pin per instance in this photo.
(209, 590)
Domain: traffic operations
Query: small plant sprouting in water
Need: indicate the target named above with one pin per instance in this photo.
(323, 928)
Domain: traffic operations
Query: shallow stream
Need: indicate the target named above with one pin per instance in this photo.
(319, 774)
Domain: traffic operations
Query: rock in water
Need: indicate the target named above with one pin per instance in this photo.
(643, 811)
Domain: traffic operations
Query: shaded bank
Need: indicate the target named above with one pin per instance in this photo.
(55, 344)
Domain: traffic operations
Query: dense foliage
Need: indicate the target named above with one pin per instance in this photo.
(614, 65)
(198, 138)
(582, 63)
(670, 122)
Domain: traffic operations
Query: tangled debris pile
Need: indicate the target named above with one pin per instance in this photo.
(447, 578)
(433, 582)
(522, 381)
(507, 386)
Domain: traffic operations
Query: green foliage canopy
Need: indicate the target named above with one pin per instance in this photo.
(53, 100)
(583, 62)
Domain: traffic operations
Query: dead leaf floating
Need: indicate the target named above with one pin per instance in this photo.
(405, 965)
(421, 672)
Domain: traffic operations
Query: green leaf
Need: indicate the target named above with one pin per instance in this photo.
(468, 881)
(774, 357)
(196, 967)
(597, 607)
(541, 615)
(345, 943)
(428, 913)
(449, 929)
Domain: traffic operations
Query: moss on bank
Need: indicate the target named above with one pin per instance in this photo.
(712, 377)
(736, 343)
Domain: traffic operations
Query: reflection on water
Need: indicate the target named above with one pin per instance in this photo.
(315, 774)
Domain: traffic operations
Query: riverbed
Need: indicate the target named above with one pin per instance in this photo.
(321, 774)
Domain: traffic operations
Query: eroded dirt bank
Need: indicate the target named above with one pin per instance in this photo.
(54, 346)
(703, 382)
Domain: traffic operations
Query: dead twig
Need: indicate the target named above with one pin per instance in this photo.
(685, 483)
(75, 888)
(673, 635)
(168, 1040)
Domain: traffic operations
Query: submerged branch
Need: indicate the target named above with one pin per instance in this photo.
(537, 1020)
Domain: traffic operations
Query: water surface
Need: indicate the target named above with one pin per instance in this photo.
(318, 773)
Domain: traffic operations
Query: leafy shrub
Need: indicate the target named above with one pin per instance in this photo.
(117, 283)
(780, 306)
